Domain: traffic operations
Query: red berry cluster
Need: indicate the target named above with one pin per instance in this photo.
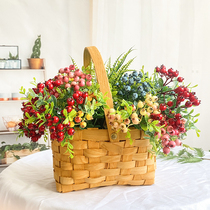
(173, 122)
(55, 122)
(170, 73)
(182, 93)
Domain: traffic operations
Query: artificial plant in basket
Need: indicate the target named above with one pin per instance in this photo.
(72, 100)
(68, 101)
(160, 104)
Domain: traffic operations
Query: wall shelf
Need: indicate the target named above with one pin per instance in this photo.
(6, 132)
(23, 69)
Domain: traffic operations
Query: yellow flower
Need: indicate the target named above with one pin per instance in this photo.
(149, 101)
(89, 117)
(127, 121)
(156, 104)
(124, 130)
(148, 95)
(156, 112)
(118, 117)
(150, 109)
(140, 104)
(80, 113)
(83, 124)
(135, 121)
(143, 112)
(122, 126)
(90, 98)
(154, 98)
(71, 124)
(116, 125)
(134, 115)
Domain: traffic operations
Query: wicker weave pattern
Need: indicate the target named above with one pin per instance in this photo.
(99, 162)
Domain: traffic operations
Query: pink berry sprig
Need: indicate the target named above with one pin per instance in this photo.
(172, 101)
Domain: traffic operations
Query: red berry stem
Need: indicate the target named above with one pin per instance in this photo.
(168, 82)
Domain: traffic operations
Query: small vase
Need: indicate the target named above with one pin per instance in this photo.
(36, 63)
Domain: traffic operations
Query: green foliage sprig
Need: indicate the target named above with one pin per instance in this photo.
(185, 155)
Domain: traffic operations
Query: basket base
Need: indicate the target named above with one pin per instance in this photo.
(98, 163)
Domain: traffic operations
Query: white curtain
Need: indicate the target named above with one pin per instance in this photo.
(175, 33)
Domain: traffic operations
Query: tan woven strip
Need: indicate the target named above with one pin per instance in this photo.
(130, 164)
(110, 172)
(78, 135)
(56, 155)
(95, 152)
(66, 180)
(79, 181)
(150, 175)
(135, 134)
(129, 151)
(97, 135)
(149, 182)
(95, 180)
(124, 178)
(140, 156)
(108, 183)
(110, 159)
(136, 182)
(139, 170)
(94, 166)
(66, 165)
(80, 186)
(79, 160)
(93, 145)
(80, 174)
(79, 167)
(112, 147)
(79, 144)
(150, 161)
(141, 143)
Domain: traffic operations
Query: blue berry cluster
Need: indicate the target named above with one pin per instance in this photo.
(133, 87)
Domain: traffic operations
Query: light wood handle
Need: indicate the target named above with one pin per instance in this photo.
(92, 53)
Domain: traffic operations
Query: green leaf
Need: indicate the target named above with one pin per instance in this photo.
(155, 122)
(181, 152)
(160, 81)
(191, 111)
(199, 152)
(54, 99)
(190, 160)
(65, 112)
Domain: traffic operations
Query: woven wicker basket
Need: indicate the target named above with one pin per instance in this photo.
(102, 157)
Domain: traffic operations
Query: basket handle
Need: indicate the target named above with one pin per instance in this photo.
(92, 53)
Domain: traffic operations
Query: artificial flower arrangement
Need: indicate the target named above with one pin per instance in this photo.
(159, 104)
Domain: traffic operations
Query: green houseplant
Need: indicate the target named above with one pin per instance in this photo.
(35, 62)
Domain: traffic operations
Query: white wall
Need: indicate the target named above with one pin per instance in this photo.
(175, 33)
(64, 28)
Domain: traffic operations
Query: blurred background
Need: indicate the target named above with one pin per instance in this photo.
(174, 33)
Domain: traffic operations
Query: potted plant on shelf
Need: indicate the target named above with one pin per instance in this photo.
(130, 118)
(35, 62)
(13, 61)
(11, 153)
